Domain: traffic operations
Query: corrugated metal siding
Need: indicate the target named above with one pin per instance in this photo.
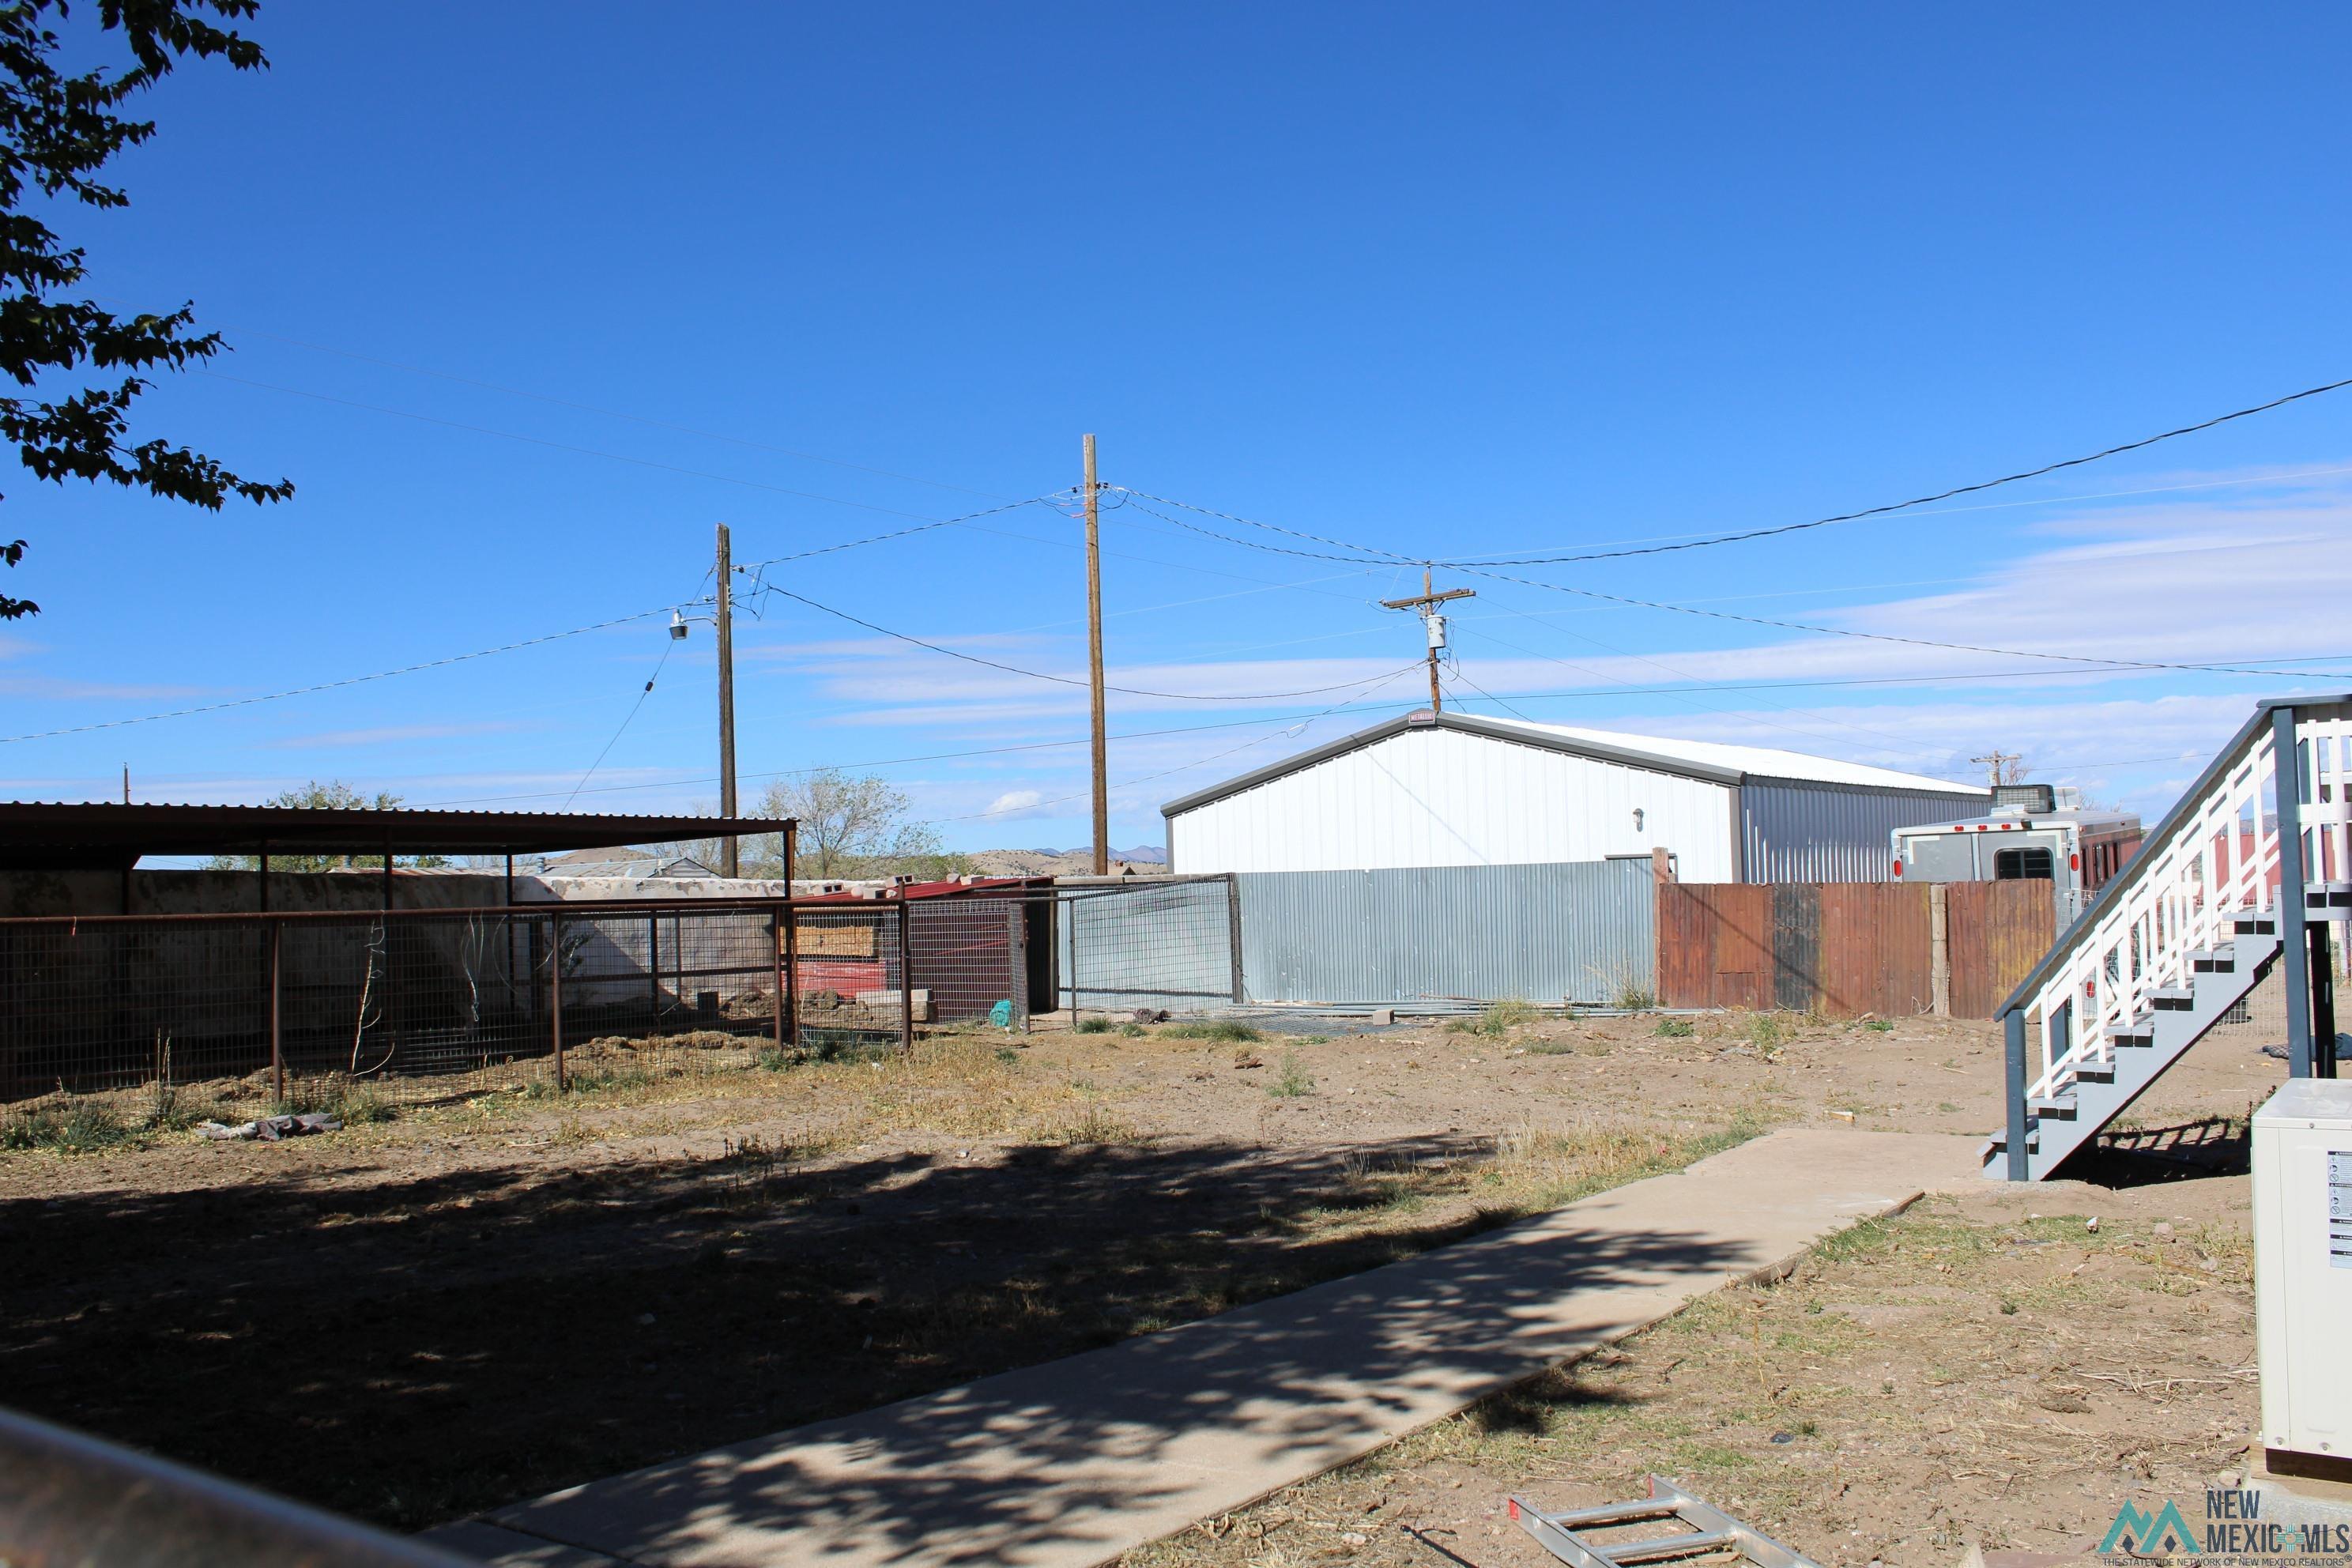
(1579, 931)
(1802, 832)
(1443, 797)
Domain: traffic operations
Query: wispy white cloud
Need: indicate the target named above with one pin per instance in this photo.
(393, 734)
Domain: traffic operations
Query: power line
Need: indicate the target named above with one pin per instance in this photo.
(485, 653)
(1368, 555)
(1853, 682)
(1708, 540)
(1980, 485)
(1061, 680)
(667, 644)
(2238, 482)
(1485, 571)
(335, 685)
(755, 566)
(2102, 661)
(1286, 728)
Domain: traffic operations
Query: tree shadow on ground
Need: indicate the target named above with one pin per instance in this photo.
(415, 1349)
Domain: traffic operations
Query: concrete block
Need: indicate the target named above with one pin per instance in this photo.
(887, 1000)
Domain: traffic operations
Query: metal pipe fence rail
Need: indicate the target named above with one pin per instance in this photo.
(296, 1010)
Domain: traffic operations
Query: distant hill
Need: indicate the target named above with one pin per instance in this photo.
(1145, 859)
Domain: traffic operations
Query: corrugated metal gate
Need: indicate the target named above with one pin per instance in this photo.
(1846, 948)
(1577, 931)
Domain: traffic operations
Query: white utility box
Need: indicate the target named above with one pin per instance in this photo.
(2303, 1267)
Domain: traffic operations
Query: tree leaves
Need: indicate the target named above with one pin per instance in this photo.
(56, 133)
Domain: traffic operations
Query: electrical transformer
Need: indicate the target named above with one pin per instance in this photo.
(2303, 1273)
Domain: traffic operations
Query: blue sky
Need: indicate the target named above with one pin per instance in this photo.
(526, 298)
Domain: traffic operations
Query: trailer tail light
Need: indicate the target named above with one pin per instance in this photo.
(2074, 862)
(1898, 868)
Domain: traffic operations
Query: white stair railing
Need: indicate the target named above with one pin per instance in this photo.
(2216, 856)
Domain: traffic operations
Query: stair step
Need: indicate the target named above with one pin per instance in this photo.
(2255, 925)
(2172, 998)
(1998, 1145)
(2096, 1073)
(2138, 1032)
(2329, 896)
(2213, 962)
(2061, 1105)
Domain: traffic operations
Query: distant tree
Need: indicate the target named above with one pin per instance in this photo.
(852, 827)
(334, 794)
(57, 133)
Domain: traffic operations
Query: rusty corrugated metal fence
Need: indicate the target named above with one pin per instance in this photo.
(1846, 948)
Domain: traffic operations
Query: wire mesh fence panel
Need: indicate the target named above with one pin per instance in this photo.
(237, 1014)
(656, 973)
(848, 977)
(1165, 945)
(89, 1008)
(970, 958)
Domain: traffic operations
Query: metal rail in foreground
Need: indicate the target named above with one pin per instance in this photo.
(1705, 1532)
(69, 1500)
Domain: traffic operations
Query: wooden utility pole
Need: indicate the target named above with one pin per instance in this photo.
(1433, 624)
(1095, 669)
(1996, 764)
(732, 854)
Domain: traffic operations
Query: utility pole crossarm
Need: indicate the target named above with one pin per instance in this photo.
(1428, 599)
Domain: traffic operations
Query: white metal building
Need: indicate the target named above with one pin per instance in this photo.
(1452, 789)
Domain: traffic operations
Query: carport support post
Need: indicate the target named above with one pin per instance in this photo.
(277, 1034)
(2014, 1038)
(555, 992)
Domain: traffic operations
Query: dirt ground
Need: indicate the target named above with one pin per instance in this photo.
(417, 1318)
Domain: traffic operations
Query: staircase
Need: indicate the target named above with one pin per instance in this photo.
(2184, 933)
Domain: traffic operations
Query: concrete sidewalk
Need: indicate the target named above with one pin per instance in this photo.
(1067, 1464)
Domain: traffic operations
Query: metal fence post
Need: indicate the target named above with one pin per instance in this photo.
(555, 992)
(905, 973)
(1016, 962)
(783, 999)
(1234, 930)
(277, 1028)
(2013, 1083)
(792, 996)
